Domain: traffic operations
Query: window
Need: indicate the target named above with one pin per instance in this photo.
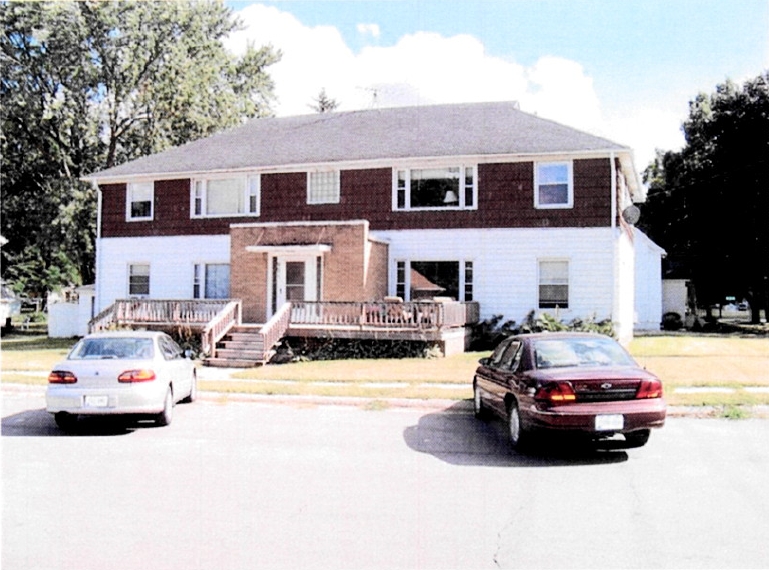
(553, 284)
(323, 187)
(468, 281)
(169, 349)
(226, 196)
(511, 357)
(553, 185)
(435, 188)
(139, 199)
(139, 279)
(417, 280)
(211, 281)
(400, 279)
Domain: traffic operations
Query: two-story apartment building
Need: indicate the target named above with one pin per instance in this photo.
(475, 202)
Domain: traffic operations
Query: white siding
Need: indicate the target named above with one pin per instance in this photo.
(171, 261)
(648, 283)
(674, 296)
(624, 287)
(505, 265)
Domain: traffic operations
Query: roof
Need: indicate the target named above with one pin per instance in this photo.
(468, 129)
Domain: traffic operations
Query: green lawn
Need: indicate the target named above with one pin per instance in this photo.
(689, 361)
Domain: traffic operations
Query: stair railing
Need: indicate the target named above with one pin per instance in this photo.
(214, 331)
(276, 327)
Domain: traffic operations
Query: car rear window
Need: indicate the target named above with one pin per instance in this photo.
(113, 348)
(559, 353)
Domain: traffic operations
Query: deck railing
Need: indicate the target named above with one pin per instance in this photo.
(398, 315)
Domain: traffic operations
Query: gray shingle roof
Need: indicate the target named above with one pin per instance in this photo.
(468, 129)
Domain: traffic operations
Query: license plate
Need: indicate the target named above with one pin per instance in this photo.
(96, 401)
(609, 422)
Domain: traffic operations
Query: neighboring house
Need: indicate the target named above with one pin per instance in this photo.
(480, 202)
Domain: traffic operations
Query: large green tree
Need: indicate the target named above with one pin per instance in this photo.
(91, 84)
(708, 202)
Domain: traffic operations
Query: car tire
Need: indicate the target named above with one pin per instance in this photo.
(165, 417)
(65, 421)
(637, 438)
(193, 390)
(519, 436)
(478, 408)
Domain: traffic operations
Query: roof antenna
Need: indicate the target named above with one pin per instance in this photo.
(374, 91)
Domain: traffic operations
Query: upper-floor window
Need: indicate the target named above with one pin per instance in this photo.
(435, 188)
(323, 187)
(138, 279)
(553, 284)
(139, 201)
(553, 185)
(235, 196)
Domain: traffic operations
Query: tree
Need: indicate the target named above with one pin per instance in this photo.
(89, 85)
(323, 103)
(708, 202)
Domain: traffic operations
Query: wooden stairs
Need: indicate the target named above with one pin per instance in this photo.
(242, 347)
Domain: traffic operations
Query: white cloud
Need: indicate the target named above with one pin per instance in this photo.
(426, 67)
(645, 130)
(368, 30)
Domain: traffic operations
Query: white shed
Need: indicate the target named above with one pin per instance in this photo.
(68, 318)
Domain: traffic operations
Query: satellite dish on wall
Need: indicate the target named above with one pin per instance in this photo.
(631, 214)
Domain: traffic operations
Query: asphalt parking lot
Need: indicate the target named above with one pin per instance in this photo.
(248, 484)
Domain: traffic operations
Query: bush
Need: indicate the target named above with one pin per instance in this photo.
(487, 334)
(298, 349)
(672, 321)
(186, 338)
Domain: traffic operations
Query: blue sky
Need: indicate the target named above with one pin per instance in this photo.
(624, 69)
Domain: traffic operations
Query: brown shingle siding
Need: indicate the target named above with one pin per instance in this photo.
(505, 200)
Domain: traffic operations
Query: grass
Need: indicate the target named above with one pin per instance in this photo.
(689, 361)
(685, 361)
(32, 352)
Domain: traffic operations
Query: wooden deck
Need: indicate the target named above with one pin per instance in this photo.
(224, 342)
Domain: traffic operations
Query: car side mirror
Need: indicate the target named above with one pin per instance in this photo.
(484, 361)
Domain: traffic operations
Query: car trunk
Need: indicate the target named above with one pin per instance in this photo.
(596, 384)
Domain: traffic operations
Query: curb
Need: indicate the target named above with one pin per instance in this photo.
(464, 406)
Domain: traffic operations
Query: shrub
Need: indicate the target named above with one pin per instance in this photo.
(298, 349)
(672, 321)
(186, 338)
(487, 334)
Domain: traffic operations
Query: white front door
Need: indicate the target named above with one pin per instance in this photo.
(294, 279)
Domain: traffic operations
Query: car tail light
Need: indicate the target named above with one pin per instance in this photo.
(649, 389)
(142, 375)
(556, 393)
(61, 377)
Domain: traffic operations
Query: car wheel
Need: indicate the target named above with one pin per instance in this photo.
(478, 408)
(637, 438)
(164, 418)
(519, 436)
(193, 390)
(65, 421)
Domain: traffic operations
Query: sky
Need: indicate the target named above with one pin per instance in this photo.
(622, 69)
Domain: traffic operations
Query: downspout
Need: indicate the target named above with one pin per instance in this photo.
(615, 305)
(613, 160)
(97, 246)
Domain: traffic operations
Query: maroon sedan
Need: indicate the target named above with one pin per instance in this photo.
(572, 382)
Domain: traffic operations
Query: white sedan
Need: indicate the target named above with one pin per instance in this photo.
(121, 372)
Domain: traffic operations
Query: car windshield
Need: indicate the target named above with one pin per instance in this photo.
(113, 348)
(565, 352)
